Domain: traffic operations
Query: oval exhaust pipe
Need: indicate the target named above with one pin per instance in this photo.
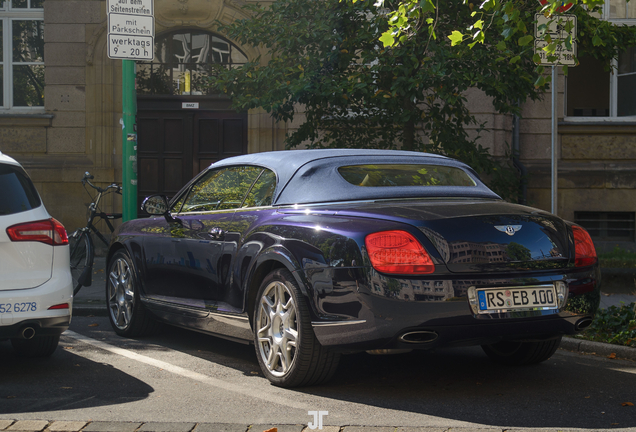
(582, 324)
(27, 333)
(418, 337)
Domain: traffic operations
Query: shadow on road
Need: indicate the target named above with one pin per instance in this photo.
(36, 385)
(569, 390)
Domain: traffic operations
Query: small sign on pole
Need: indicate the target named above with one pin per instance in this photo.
(131, 29)
(557, 28)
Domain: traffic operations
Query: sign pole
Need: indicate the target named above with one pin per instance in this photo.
(554, 140)
(131, 34)
(129, 141)
(559, 28)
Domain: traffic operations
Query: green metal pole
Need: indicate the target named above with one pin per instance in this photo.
(129, 141)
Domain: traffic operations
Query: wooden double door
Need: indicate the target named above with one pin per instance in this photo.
(175, 145)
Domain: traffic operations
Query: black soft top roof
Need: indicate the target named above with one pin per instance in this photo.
(311, 176)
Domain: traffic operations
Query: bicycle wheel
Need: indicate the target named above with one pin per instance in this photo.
(81, 259)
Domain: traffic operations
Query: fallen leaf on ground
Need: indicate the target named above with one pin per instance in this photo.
(68, 347)
(612, 356)
(93, 325)
(627, 404)
(272, 430)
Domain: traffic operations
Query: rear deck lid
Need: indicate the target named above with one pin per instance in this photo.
(500, 243)
(481, 235)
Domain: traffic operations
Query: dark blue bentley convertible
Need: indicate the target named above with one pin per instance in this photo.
(310, 254)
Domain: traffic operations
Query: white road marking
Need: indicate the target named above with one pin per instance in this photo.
(267, 396)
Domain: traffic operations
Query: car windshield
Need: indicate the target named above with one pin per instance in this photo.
(17, 193)
(405, 175)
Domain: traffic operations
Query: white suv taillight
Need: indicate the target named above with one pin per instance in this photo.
(48, 231)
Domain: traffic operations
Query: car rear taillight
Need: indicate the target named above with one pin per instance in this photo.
(585, 253)
(59, 306)
(398, 252)
(48, 231)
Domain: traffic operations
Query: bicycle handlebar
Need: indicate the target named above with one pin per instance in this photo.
(88, 177)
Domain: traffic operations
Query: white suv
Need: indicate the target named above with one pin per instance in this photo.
(36, 292)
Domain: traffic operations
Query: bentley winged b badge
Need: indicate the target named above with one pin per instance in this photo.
(508, 229)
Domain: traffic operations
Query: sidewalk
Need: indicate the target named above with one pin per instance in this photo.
(100, 426)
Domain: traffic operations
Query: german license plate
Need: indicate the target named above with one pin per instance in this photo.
(517, 299)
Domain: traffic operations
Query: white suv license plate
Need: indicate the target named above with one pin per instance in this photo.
(517, 299)
(18, 307)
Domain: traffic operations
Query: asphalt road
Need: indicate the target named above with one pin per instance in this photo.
(182, 376)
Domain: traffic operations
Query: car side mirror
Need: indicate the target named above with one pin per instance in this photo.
(157, 205)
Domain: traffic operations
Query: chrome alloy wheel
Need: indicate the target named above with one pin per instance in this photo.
(277, 328)
(121, 294)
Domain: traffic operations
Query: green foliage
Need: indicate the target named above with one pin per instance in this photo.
(518, 252)
(618, 258)
(584, 303)
(616, 325)
(221, 189)
(324, 57)
(512, 20)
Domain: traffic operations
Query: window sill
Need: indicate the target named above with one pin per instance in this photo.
(589, 126)
(25, 119)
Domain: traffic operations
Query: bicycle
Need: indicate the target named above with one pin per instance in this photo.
(81, 243)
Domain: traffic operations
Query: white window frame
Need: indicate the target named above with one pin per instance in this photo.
(613, 85)
(8, 14)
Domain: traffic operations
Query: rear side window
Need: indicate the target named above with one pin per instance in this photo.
(405, 175)
(17, 193)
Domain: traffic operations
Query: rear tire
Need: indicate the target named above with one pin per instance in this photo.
(38, 346)
(80, 250)
(286, 347)
(521, 353)
(127, 315)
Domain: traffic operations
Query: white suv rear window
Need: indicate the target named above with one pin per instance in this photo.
(17, 193)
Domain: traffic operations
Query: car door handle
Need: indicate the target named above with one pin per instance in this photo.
(216, 233)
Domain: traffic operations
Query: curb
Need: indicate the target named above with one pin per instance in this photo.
(598, 348)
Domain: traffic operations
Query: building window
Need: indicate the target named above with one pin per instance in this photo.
(184, 62)
(593, 92)
(22, 55)
(620, 9)
(607, 226)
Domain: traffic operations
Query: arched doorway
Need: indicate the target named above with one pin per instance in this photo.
(183, 124)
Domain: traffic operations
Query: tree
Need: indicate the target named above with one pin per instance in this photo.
(517, 252)
(508, 20)
(326, 57)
